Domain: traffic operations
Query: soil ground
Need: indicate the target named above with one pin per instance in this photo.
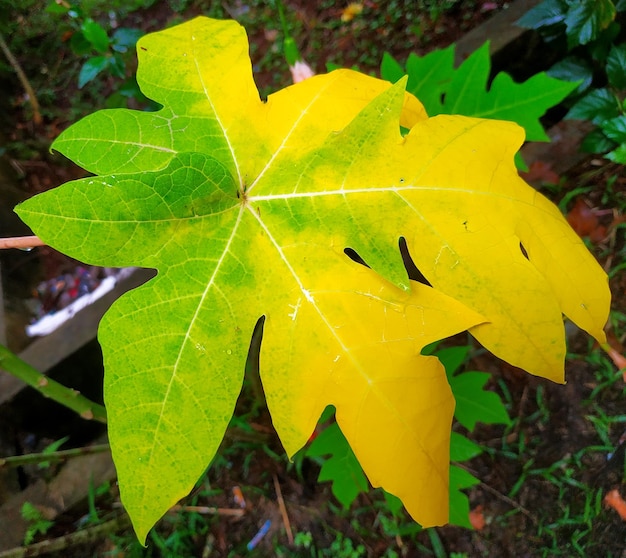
(551, 432)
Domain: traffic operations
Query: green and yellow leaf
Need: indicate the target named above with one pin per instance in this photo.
(246, 208)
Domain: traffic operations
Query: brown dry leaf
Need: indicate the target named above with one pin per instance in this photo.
(350, 11)
(540, 172)
(614, 500)
(477, 518)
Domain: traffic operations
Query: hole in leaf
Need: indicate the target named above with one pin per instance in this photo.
(412, 271)
(524, 252)
(352, 254)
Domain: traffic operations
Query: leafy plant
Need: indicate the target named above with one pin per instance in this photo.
(444, 89)
(250, 211)
(473, 404)
(38, 524)
(88, 39)
(589, 37)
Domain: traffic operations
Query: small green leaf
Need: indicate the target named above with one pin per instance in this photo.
(390, 68)
(117, 66)
(79, 44)
(616, 66)
(442, 89)
(125, 38)
(91, 69)
(430, 77)
(96, 35)
(452, 358)
(597, 106)
(596, 142)
(341, 468)
(462, 448)
(615, 129)
(549, 12)
(585, 20)
(460, 479)
(618, 155)
(56, 8)
(473, 403)
(573, 68)
(620, 6)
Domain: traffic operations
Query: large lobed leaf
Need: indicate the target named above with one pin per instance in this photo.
(246, 208)
(467, 90)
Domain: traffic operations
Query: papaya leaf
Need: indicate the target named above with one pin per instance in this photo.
(341, 468)
(460, 480)
(473, 403)
(246, 209)
(464, 90)
(462, 448)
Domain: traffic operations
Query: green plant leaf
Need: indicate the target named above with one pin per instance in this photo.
(246, 209)
(548, 12)
(430, 77)
(445, 90)
(91, 69)
(474, 403)
(390, 68)
(618, 155)
(452, 358)
(596, 142)
(460, 480)
(462, 448)
(573, 68)
(616, 66)
(96, 35)
(341, 468)
(79, 44)
(125, 38)
(615, 129)
(597, 106)
(586, 20)
(55, 8)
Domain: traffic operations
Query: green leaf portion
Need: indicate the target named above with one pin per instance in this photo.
(597, 106)
(445, 90)
(616, 66)
(596, 142)
(96, 35)
(341, 468)
(90, 69)
(246, 208)
(474, 403)
(618, 155)
(462, 448)
(460, 480)
(548, 12)
(586, 20)
(615, 129)
(573, 68)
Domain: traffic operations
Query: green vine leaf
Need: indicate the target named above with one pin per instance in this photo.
(246, 209)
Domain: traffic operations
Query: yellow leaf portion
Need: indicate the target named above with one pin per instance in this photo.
(355, 344)
(246, 208)
(451, 189)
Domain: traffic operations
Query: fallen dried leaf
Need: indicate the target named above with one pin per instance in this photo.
(351, 10)
(477, 518)
(582, 218)
(614, 500)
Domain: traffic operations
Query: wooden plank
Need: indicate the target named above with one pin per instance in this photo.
(54, 497)
(48, 351)
(500, 30)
